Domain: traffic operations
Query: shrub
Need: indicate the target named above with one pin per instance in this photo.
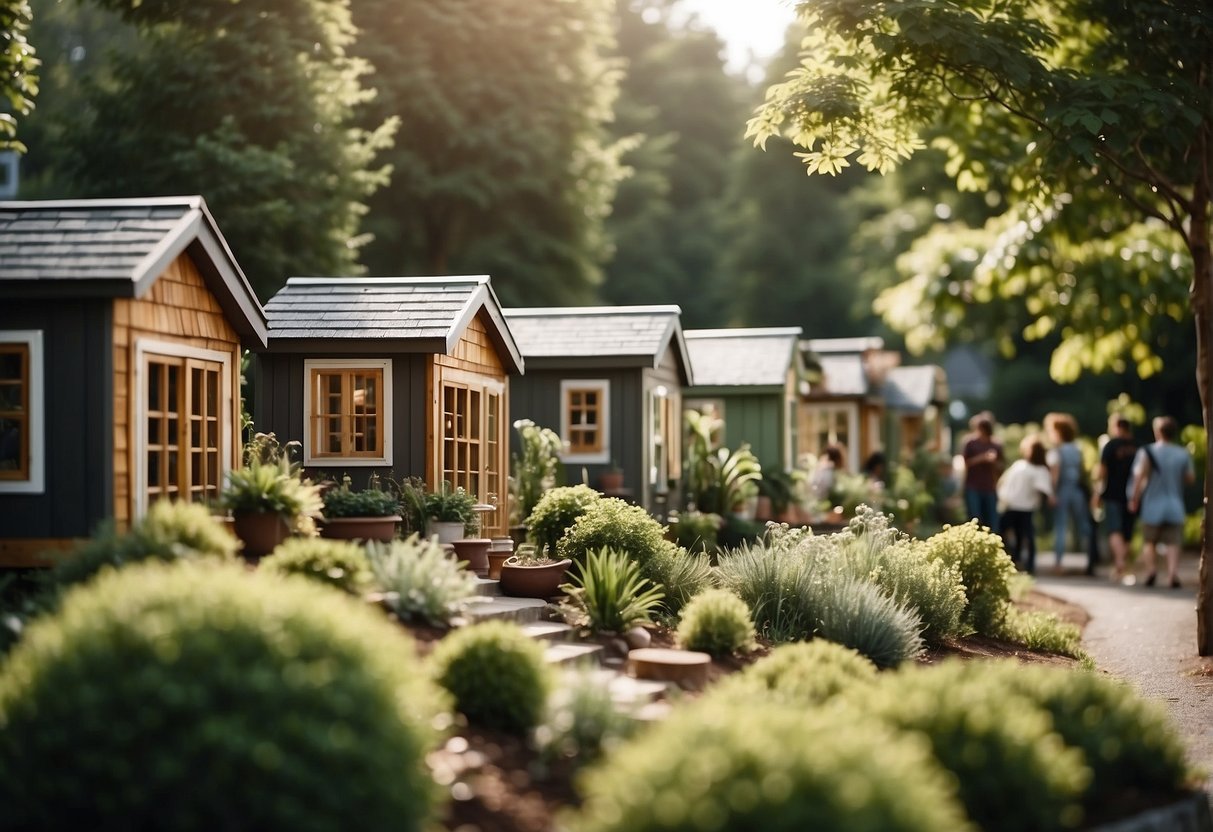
(714, 765)
(1042, 631)
(582, 721)
(683, 575)
(451, 505)
(183, 697)
(496, 674)
(985, 570)
(1013, 770)
(698, 531)
(611, 523)
(716, 622)
(334, 563)
(421, 582)
(370, 502)
(273, 488)
(776, 584)
(856, 614)
(808, 674)
(1129, 743)
(556, 511)
(608, 593)
(537, 468)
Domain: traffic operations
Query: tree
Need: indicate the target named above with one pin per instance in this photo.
(1093, 119)
(17, 67)
(248, 102)
(501, 165)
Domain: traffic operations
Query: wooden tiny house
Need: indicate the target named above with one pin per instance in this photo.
(609, 380)
(121, 334)
(395, 376)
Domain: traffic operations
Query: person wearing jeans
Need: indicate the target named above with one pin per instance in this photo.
(1160, 472)
(983, 463)
(1020, 490)
(1065, 465)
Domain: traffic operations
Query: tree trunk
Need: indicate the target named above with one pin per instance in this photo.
(1202, 305)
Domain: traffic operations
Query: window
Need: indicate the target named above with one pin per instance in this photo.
(665, 453)
(345, 419)
(472, 428)
(584, 421)
(184, 422)
(830, 424)
(22, 465)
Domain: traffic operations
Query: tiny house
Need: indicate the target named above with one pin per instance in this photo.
(121, 333)
(609, 380)
(846, 406)
(394, 376)
(751, 379)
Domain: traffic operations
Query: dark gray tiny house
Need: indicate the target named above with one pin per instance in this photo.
(609, 380)
(121, 330)
(395, 376)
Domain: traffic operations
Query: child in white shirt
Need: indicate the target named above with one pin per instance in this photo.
(1019, 490)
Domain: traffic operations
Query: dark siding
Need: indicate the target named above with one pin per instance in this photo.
(79, 419)
(757, 420)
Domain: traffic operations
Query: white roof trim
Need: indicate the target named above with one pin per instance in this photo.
(453, 280)
(754, 332)
(549, 311)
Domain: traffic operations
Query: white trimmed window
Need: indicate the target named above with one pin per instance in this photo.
(585, 420)
(22, 417)
(183, 422)
(346, 412)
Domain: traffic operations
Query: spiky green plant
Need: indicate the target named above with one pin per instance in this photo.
(682, 574)
(776, 584)
(608, 593)
(421, 581)
(856, 614)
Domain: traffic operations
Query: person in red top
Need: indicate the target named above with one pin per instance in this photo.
(983, 465)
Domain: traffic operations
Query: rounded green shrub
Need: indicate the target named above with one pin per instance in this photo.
(336, 563)
(809, 673)
(1014, 771)
(985, 570)
(496, 674)
(611, 523)
(196, 697)
(721, 765)
(556, 510)
(716, 622)
(420, 581)
(856, 614)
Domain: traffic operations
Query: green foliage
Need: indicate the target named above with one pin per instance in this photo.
(807, 674)
(717, 480)
(450, 505)
(274, 488)
(609, 594)
(716, 764)
(421, 582)
(698, 530)
(537, 468)
(411, 494)
(985, 570)
(856, 614)
(496, 674)
(503, 166)
(275, 684)
(582, 721)
(17, 68)
(336, 563)
(370, 502)
(776, 583)
(1042, 631)
(716, 622)
(683, 575)
(281, 163)
(556, 511)
(1000, 748)
(611, 523)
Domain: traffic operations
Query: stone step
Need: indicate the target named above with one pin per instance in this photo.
(567, 655)
(628, 691)
(553, 631)
(519, 610)
(488, 588)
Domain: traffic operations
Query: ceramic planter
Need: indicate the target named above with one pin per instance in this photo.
(381, 529)
(448, 532)
(541, 581)
(501, 550)
(260, 532)
(475, 552)
(610, 481)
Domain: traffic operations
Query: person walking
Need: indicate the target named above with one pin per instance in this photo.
(1115, 470)
(1160, 471)
(983, 463)
(1020, 490)
(1065, 466)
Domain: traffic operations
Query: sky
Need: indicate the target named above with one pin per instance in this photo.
(746, 25)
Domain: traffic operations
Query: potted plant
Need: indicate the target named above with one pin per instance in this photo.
(370, 514)
(449, 511)
(610, 481)
(268, 499)
(536, 470)
(529, 575)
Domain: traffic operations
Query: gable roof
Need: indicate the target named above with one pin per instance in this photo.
(393, 314)
(119, 248)
(599, 336)
(914, 388)
(842, 375)
(759, 357)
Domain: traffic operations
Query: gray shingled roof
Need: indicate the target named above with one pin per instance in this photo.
(418, 314)
(742, 357)
(911, 388)
(843, 375)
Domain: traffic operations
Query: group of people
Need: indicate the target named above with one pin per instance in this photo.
(1131, 483)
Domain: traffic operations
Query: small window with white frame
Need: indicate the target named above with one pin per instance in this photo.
(585, 420)
(22, 450)
(346, 419)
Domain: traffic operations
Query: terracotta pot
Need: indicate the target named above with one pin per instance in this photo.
(382, 529)
(533, 581)
(609, 481)
(763, 510)
(496, 559)
(448, 532)
(475, 552)
(260, 532)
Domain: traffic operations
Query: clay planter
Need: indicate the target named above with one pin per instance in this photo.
(381, 529)
(609, 481)
(475, 552)
(501, 550)
(541, 581)
(448, 532)
(260, 532)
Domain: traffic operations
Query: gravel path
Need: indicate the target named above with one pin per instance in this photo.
(1147, 635)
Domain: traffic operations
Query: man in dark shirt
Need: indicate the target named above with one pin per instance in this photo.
(983, 465)
(1115, 468)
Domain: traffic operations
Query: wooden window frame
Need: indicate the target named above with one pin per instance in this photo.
(814, 411)
(149, 351)
(311, 368)
(602, 387)
(490, 441)
(31, 477)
